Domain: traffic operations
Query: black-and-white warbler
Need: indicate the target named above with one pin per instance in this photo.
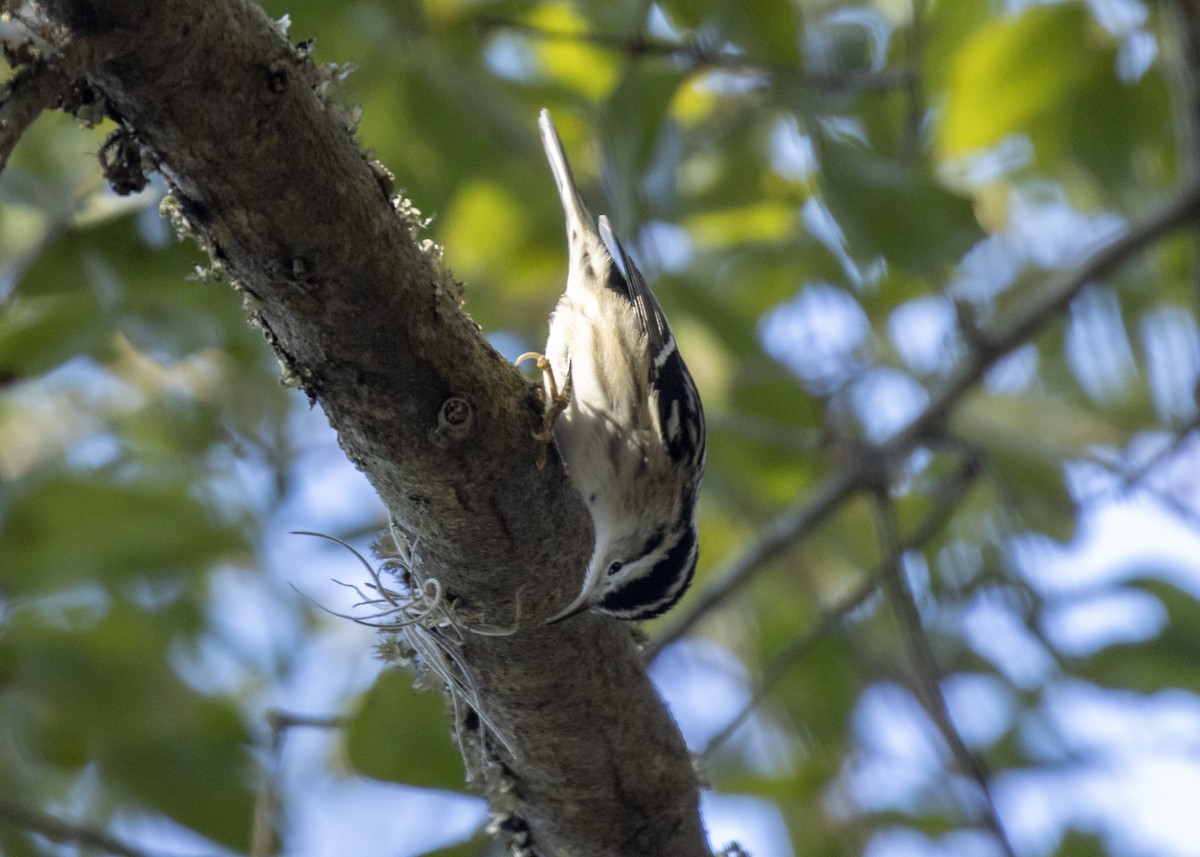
(631, 429)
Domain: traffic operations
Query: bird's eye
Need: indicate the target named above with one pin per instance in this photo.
(614, 568)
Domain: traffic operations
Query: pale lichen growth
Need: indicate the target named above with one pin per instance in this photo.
(423, 629)
(328, 75)
(504, 808)
(173, 209)
(288, 376)
(446, 288)
(431, 250)
(413, 219)
(282, 25)
(384, 177)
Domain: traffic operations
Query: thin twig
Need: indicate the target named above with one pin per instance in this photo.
(926, 674)
(280, 720)
(914, 94)
(266, 803)
(787, 528)
(64, 832)
(698, 56)
(783, 662)
(1185, 513)
(1137, 476)
(950, 496)
(1050, 301)
(1184, 18)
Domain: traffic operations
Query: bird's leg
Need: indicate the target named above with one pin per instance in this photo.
(558, 401)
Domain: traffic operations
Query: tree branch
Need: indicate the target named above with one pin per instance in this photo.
(788, 528)
(950, 495)
(364, 319)
(698, 57)
(1048, 303)
(63, 832)
(1185, 17)
(925, 671)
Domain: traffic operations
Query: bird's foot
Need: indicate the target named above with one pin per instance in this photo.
(556, 402)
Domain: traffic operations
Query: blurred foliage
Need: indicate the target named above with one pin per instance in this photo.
(836, 203)
(416, 757)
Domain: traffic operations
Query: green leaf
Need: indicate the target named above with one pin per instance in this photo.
(567, 57)
(954, 23)
(767, 222)
(1014, 71)
(640, 146)
(14, 843)
(900, 212)
(102, 279)
(1026, 440)
(64, 530)
(402, 735)
(480, 226)
(104, 688)
(39, 334)
(1076, 843)
(1166, 662)
(821, 689)
(1113, 129)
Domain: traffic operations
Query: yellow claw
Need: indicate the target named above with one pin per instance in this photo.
(559, 399)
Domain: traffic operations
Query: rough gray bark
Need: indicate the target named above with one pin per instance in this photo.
(367, 324)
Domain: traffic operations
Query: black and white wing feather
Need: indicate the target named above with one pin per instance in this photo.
(649, 313)
(680, 418)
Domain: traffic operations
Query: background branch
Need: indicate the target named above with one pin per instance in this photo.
(63, 832)
(926, 674)
(952, 491)
(864, 470)
(697, 56)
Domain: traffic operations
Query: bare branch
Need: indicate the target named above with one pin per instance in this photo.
(925, 671)
(64, 832)
(266, 804)
(950, 495)
(1185, 17)
(1138, 475)
(281, 721)
(696, 56)
(1049, 302)
(791, 526)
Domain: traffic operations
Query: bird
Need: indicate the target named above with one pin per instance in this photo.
(626, 417)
